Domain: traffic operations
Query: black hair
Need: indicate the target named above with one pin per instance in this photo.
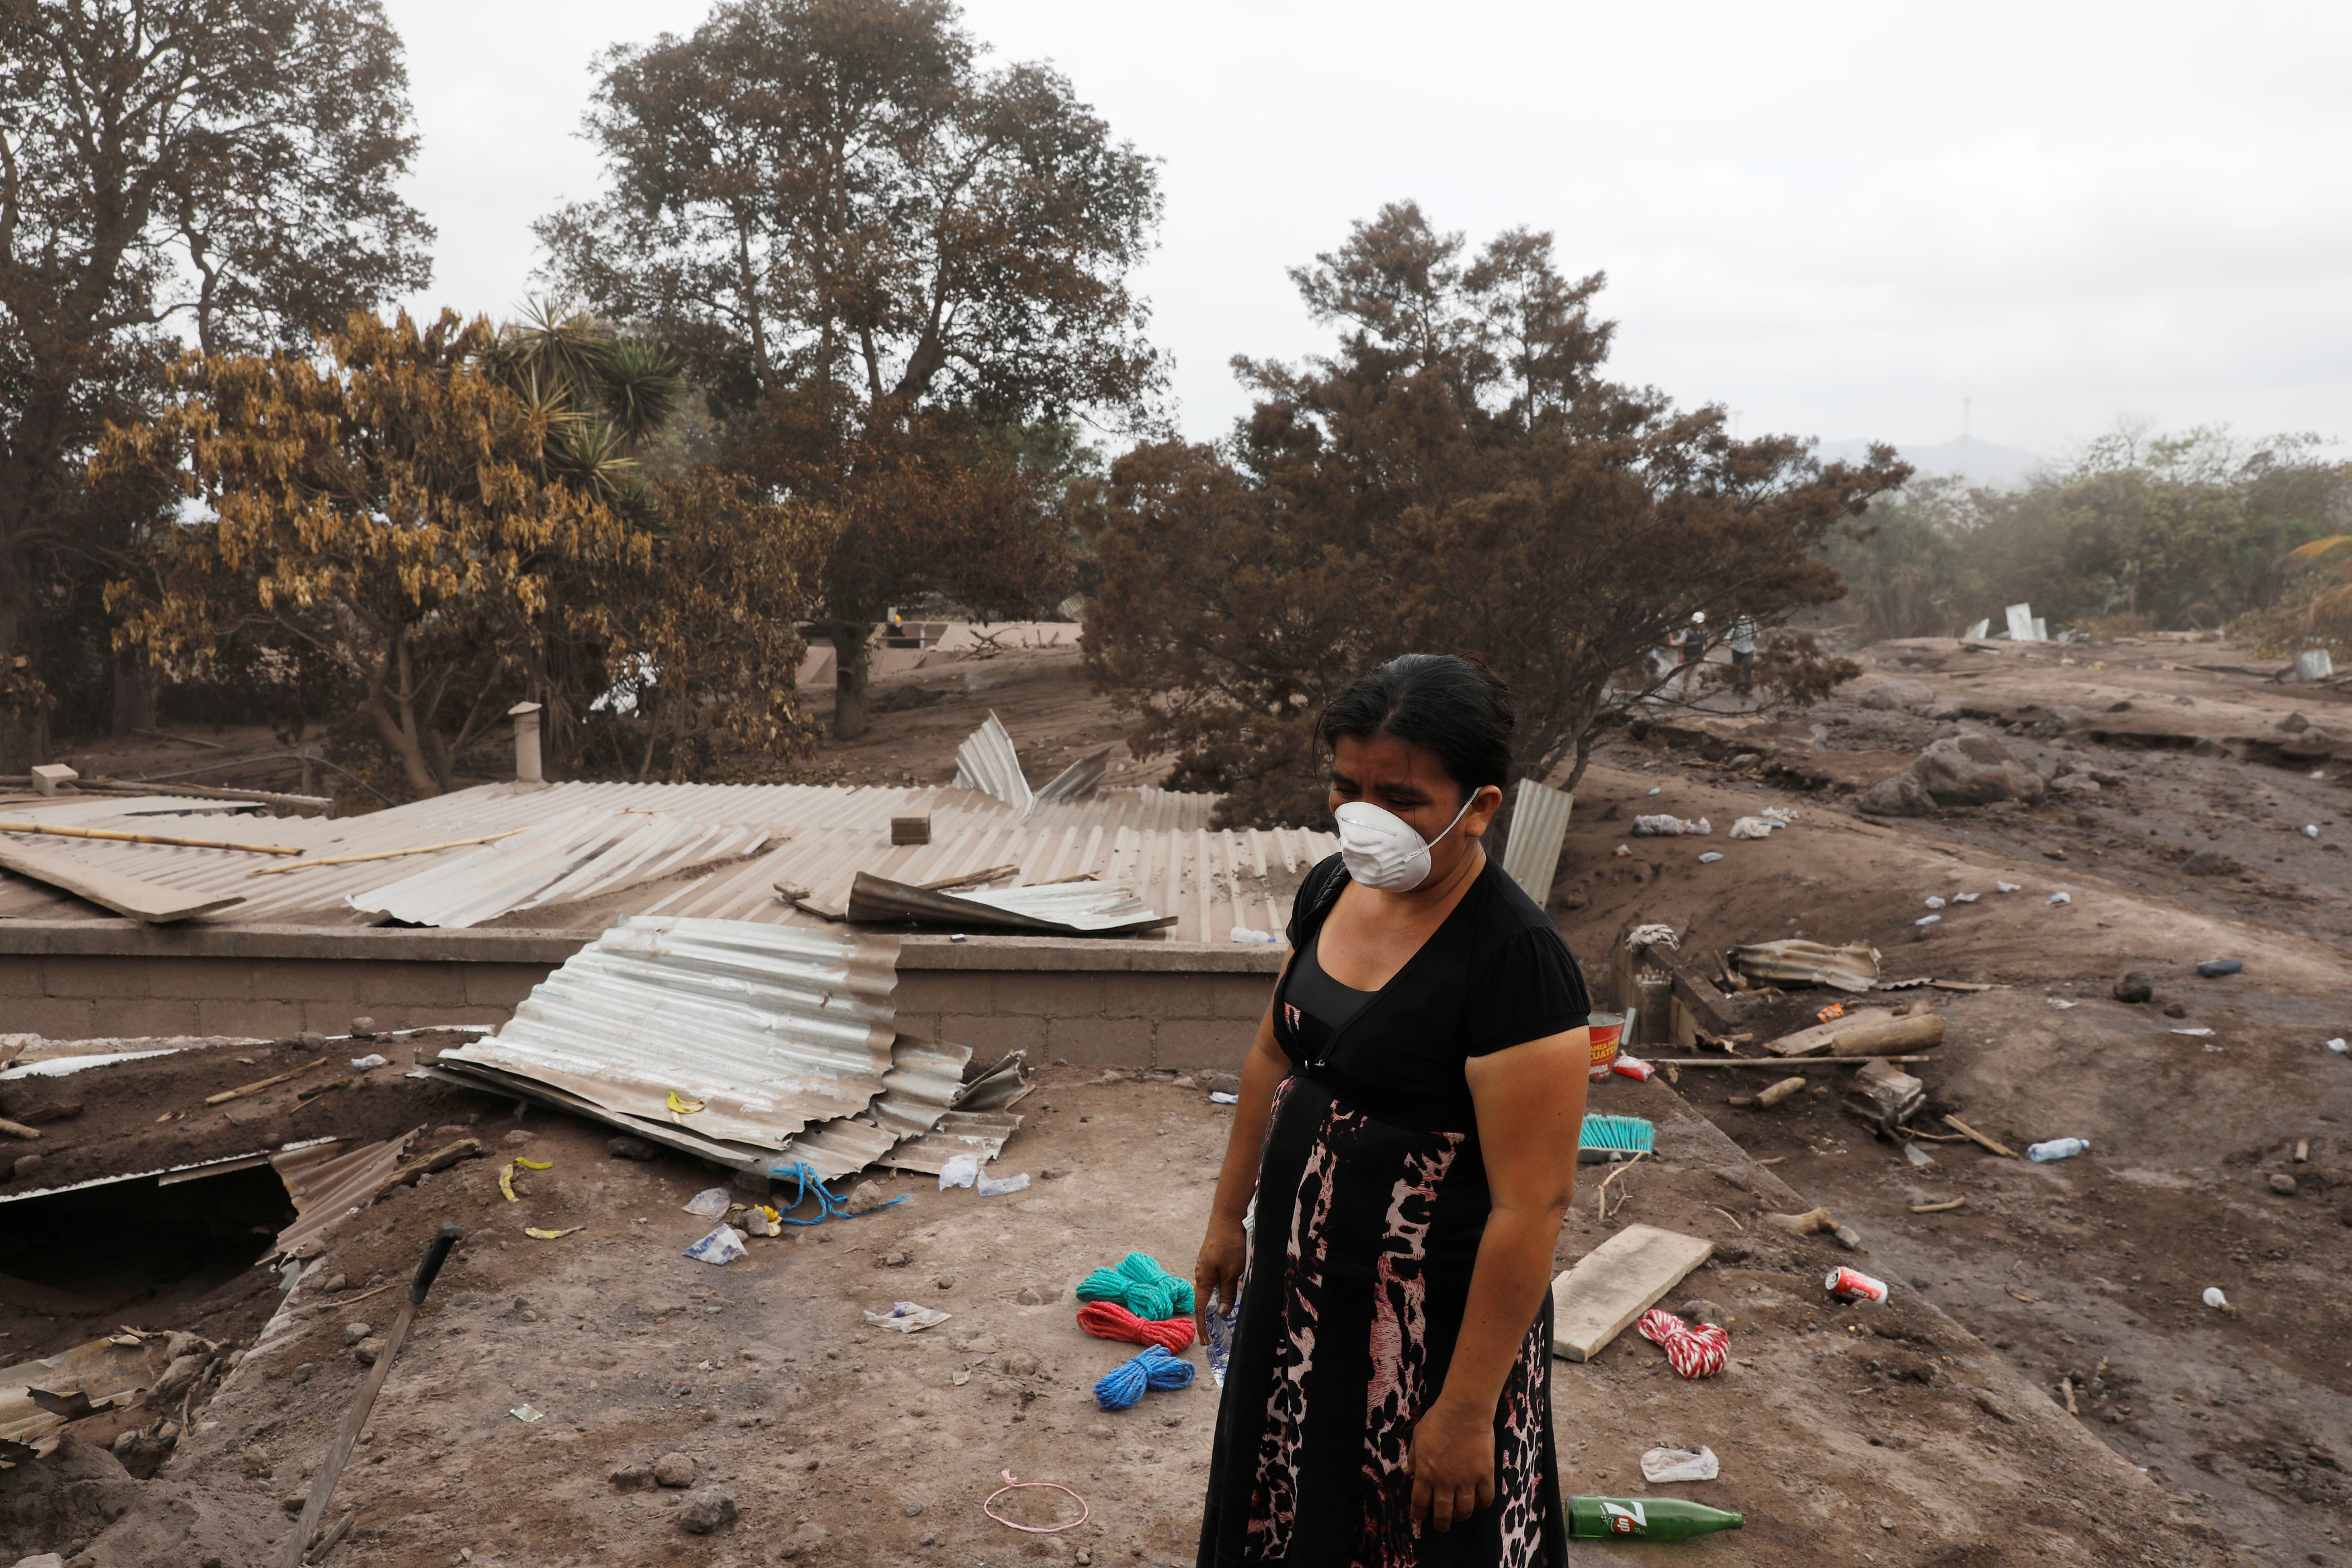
(1456, 709)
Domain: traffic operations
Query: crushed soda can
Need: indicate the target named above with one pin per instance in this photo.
(1853, 1285)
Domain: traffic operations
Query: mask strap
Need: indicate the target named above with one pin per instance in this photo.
(1458, 820)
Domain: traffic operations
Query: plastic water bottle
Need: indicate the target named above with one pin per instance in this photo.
(1645, 1518)
(1219, 1318)
(2057, 1149)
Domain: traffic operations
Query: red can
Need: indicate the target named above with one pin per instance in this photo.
(1853, 1285)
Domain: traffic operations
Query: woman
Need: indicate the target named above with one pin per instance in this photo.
(1407, 1132)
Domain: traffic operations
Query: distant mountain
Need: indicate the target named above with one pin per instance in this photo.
(1980, 462)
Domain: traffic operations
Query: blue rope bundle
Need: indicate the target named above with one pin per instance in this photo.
(807, 1184)
(1122, 1386)
(1141, 1286)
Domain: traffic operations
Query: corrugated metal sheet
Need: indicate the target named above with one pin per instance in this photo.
(331, 1182)
(1076, 909)
(770, 1027)
(320, 895)
(1080, 779)
(782, 1036)
(110, 1374)
(1539, 829)
(987, 762)
(1154, 842)
(1853, 968)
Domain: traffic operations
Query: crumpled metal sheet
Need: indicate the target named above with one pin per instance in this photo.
(987, 762)
(1853, 968)
(1070, 908)
(575, 855)
(771, 1028)
(980, 1132)
(108, 1371)
(1539, 829)
(331, 1182)
(1080, 779)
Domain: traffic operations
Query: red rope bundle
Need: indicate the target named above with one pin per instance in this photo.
(1695, 1350)
(1109, 1320)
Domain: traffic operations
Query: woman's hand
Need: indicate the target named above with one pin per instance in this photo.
(1451, 1459)
(1225, 1253)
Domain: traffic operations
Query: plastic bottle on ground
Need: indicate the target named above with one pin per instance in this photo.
(2057, 1149)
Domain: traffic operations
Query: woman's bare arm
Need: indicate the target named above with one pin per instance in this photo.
(1530, 1106)
(1223, 1251)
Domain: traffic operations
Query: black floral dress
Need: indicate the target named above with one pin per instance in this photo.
(1371, 1198)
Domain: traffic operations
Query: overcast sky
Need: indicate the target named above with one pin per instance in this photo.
(1838, 220)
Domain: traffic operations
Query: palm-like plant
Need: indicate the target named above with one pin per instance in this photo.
(599, 395)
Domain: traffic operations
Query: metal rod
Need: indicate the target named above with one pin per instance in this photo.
(323, 1489)
(116, 835)
(384, 854)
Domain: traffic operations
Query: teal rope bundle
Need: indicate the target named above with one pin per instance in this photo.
(1122, 1386)
(1141, 1286)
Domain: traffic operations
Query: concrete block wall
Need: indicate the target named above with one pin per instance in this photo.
(1107, 1018)
(1090, 1003)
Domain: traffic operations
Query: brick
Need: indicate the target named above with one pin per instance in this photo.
(493, 985)
(221, 979)
(1237, 996)
(946, 992)
(54, 1018)
(137, 1016)
(310, 980)
(1052, 996)
(22, 976)
(269, 1019)
(108, 977)
(1100, 1041)
(993, 1033)
(1216, 1044)
(1185, 996)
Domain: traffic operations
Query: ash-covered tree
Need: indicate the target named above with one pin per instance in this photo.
(874, 254)
(215, 171)
(1455, 476)
(382, 499)
(393, 502)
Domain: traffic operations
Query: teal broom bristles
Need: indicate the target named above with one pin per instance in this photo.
(1616, 1136)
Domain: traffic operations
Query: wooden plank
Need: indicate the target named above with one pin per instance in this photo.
(124, 895)
(1867, 1031)
(1615, 1283)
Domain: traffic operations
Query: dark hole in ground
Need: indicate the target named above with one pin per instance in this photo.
(137, 1251)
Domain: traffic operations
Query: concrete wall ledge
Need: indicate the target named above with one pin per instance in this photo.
(387, 943)
(420, 945)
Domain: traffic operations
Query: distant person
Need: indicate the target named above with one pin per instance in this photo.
(1742, 642)
(1406, 1138)
(1691, 643)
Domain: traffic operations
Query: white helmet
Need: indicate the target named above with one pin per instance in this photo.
(1698, 617)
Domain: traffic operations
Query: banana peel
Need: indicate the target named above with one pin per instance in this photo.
(536, 1234)
(683, 1107)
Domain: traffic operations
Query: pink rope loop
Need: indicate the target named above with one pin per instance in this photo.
(1086, 1509)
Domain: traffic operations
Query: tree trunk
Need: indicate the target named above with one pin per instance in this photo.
(851, 665)
(135, 690)
(24, 736)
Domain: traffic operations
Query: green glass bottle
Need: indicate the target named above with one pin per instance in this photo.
(1645, 1518)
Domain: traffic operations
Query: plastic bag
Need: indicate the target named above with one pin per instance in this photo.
(1661, 1465)
(1633, 1067)
(723, 1245)
(1755, 827)
(1664, 826)
(962, 1170)
(990, 1188)
(906, 1317)
(711, 1203)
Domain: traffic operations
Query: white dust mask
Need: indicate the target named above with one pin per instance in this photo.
(1381, 850)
